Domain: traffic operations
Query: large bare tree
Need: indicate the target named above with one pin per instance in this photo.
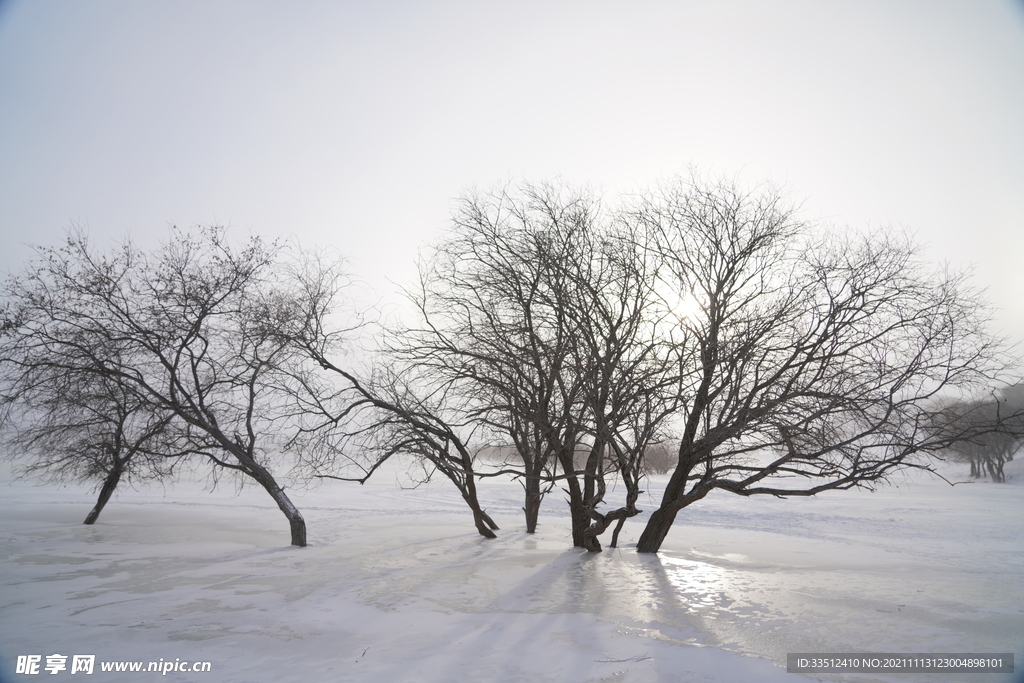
(811, 361)
(191, 330)
(541, 314)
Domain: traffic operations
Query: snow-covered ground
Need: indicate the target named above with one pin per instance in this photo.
(396, 585)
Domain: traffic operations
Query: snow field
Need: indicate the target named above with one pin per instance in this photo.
(397, 586)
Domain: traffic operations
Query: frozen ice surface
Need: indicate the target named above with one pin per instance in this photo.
(397, 586)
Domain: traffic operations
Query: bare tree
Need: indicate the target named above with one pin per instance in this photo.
(985, 433)
(625, 361)
(540, 314)
(810, 362)
(790, 361)
(362, 419)
(402, 421)
(84, 427)
(191, 330)
(493, 326)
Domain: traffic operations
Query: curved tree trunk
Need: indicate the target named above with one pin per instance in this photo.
(295, 520)
(615, 533)
(661, 520)
(484, 524)
(656, 530)
(487, 519)
(601, 524)
(463, 479)
(109, 484)
(591, 536)
(267, 481)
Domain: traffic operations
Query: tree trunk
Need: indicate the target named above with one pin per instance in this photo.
(488, 520)
(577, 509)
(265, 479)
(615, 533)
(109, 484)
(580, 520)
(464, 481)
(295, 520)
(661, 521)
(531, 506)
(484, 524)
(995, 469)
(632, 494)
(674, 499)
(481, 520)
(656, 530)
(602, 522)
(591, 540)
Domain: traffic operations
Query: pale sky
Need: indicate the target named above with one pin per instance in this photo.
(354, 124)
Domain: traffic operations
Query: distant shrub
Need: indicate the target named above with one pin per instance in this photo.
(660, 458)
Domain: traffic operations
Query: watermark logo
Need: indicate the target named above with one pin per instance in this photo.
(85, 664)
(82, 663)
(28, 664)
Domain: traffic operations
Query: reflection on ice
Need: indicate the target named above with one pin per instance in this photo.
(701, 586)
(747, 603)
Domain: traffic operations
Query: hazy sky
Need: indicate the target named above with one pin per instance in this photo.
(355, 124)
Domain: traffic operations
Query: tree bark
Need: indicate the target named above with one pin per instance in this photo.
(656, 530)
(484, 524)
(109, 484)
(481, 520)
(531, 506)
(295, 520)
(580, 520)
(615, 533)
(577, 509)
(995, 469)
(488, 520)
(265, 479)
(674, 500)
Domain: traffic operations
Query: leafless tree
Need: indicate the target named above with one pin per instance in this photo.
(811, 361)
(190, 330)
(659, 458)
(540, 314)
(68, 426)
(493, 311)
(624, 357)
(790, 361)
(361, 418)
(986, 433)
(394, 417)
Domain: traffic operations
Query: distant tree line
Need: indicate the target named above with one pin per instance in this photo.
(700, 330)
(990, 431)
